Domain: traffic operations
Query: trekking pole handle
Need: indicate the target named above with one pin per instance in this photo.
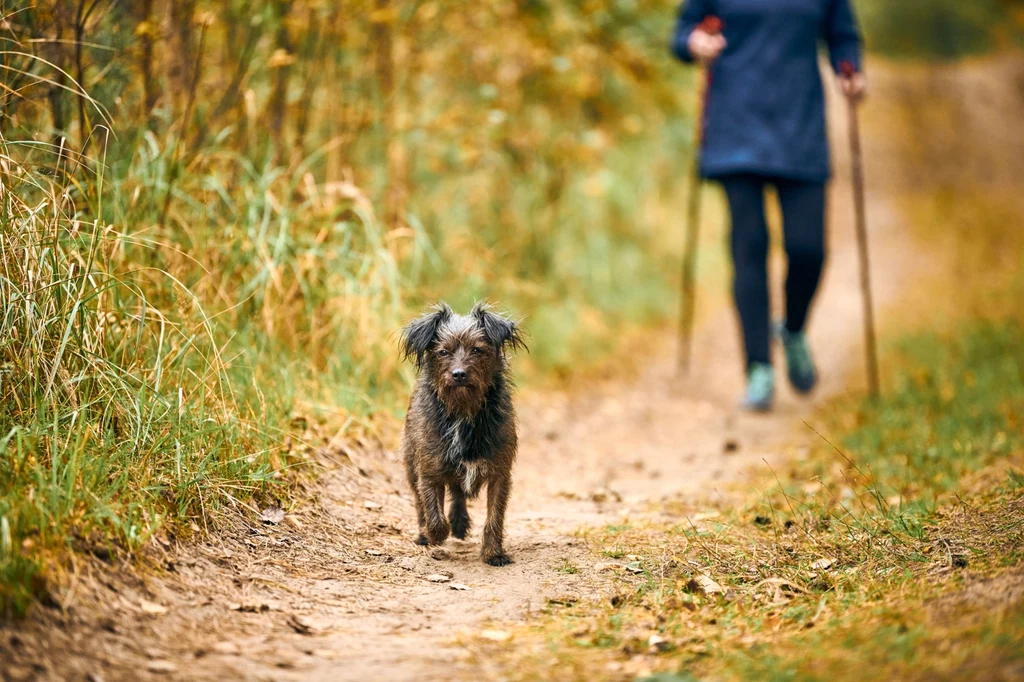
(848, 70)
(711, 25)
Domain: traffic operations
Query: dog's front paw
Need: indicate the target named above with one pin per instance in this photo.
(421, 539)
(499, 559)
(439, 533)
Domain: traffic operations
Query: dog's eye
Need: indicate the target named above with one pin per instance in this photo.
(442, 353)
(477, 350)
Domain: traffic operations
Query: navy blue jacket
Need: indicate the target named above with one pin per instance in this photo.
(765, 109)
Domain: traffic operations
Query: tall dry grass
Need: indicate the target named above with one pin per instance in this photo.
(216, 214)
(116, 406)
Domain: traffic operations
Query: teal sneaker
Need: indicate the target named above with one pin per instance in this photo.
(799, 363)
(760, 388)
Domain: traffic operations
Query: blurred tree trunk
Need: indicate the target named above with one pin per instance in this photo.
(196, 70)
(180, 59)
(311, 58)
(281, 61)
(414, 73)
(82, 15)
(146, 32)
(55, 51)
(337, 125)
(384, 17)
(231, 99)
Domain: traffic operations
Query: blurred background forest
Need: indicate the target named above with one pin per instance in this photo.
(215, 215)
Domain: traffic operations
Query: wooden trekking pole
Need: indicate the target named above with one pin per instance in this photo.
(712, 25)
(870, 346)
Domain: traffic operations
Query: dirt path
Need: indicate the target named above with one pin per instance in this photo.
(338, 591)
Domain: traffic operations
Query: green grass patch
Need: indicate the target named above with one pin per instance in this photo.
(567, 567)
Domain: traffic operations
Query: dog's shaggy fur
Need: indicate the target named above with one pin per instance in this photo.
(460, 431)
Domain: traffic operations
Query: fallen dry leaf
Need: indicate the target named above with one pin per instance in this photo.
(370, 504)
(658, 643)
(374, 552)
(150, 607)
(459, 586)
(281, 57)
(703, 583)
(300, 626)
(822, 564)
(161, 667)
(272, 516)
(605, 494)
(438, 578)
(227, 648)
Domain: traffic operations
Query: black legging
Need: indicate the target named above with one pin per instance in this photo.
(803, 216)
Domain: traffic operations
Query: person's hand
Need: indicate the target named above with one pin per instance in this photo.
(705, 47)
(853, 85)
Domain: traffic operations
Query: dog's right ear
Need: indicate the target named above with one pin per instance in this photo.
(420, 334)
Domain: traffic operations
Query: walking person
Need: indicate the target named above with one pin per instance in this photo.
(765, 127)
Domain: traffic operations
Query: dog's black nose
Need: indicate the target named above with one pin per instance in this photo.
(459, 375)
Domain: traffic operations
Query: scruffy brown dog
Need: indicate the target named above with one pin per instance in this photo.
(460, 431)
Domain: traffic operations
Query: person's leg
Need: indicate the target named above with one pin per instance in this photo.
(749, 240)
(803, 217)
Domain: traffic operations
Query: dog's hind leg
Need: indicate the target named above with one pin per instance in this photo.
(432, 500)
(458, 515)
(492, 551)
(421, 521)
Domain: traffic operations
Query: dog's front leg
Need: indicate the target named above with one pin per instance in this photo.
(458, 516)
(432, 499)
(498, 490)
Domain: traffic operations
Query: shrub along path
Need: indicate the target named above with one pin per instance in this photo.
(337, 590)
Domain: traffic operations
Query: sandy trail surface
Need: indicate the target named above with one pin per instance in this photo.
(338, 591)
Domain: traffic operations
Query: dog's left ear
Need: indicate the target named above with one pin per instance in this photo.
(500, 331)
